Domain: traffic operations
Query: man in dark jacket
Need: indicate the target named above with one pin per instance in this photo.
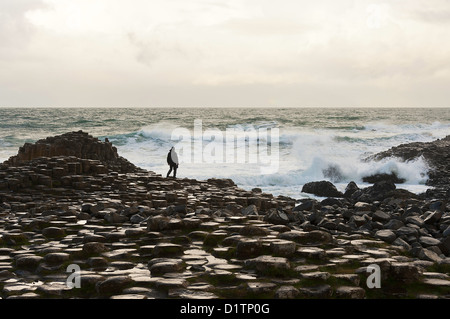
(172, 160)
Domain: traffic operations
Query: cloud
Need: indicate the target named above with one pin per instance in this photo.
(179, 52)
(15, 29)
(434, 16)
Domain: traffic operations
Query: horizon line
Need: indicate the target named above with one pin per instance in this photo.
(220, 107)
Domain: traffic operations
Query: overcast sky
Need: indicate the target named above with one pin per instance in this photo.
(224, 53)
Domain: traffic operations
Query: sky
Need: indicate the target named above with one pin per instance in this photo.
(175, 53)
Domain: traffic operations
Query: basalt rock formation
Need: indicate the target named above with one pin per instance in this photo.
(437, 156)
(135, 234)
(78, 145)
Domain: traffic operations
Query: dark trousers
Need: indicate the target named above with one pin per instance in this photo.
(174, 168)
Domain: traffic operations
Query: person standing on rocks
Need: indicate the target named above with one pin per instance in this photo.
(172, 160)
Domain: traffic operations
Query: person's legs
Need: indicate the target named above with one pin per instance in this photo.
(170, 171)
(175, 171)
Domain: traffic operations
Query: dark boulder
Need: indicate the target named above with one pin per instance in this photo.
(383, 177)
(308, 205)
(322, 188)
(436, 154)
(350, 189)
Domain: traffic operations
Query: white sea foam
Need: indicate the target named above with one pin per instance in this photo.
(315, 144)
(305, 156)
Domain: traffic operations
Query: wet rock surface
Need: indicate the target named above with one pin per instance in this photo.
(437, 156)
(136, 235)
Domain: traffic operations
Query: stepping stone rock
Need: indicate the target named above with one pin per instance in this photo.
(122, 265)
(351, 278)
(311, 237)
(283, 248)
(56, 258)
(97, 262)
(265, 264)
(94, 238)
(247, 248)
(350, 292)
(53, 232)
(317, 292)
(166, 267)
(212, 239)
(190, 294)
(158, 223)
(317, 275)
(171, 283)
(54, 288)
(18, 288)
(167, 249)
(311, 252)
(134, 232)
(286, 292)
(404, 271)
(113, 285)
(94, 248)
(260, 287)
(29, 262)
(306, 268)
(251, 230)
(129, 297)
(437, 282)
(13, 238)
(27, 295)
(90, 280)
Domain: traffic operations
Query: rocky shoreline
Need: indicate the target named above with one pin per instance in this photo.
(72, 200)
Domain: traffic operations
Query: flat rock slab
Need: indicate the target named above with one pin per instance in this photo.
(286, 292)
(316, 292)
(260, 287)
(351, 278)
(181, 293)
(113, 285)
(316, 275)
(166, 267)
(129, 297)
(167, 249)
(350, 292)
(266, 264)
(284, 248)
(28, 261)
(53, 289)
(170, 283)
(56, 258)
(437, 282)
(311, 252)
(18, 288)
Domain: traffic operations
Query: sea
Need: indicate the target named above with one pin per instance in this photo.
(275, 149)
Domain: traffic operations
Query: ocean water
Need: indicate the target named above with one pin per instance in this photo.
(302, 144)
